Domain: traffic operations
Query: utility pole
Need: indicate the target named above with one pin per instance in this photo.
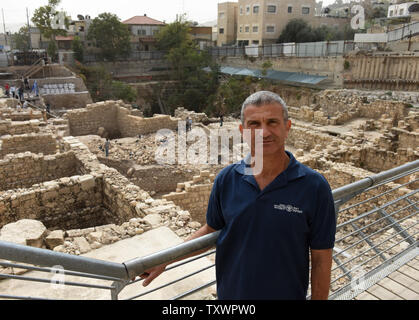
(4, 27)
(29, 30)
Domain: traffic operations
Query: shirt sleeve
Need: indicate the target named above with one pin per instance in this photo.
(323, 222)
(215, 217)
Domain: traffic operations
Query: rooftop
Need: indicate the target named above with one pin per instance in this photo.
(141, 20)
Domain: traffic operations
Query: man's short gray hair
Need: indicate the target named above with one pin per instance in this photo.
(262, 98)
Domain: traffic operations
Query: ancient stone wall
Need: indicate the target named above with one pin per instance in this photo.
(194, 195)
(115, 117)
(63, 203)
(9, 127)
(35, 143)
(131, 126)
(88, 121)
(26, 169)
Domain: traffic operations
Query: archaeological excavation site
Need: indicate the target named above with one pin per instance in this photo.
(60, 192)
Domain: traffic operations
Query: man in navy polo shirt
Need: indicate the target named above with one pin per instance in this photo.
(270, 220)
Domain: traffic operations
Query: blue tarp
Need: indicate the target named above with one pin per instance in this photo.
(292, 77)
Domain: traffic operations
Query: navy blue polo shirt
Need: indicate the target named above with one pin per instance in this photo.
(263, 247)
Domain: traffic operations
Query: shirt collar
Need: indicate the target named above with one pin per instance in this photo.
(294, 170)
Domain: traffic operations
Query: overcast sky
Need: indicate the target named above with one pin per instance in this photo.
(197, 10)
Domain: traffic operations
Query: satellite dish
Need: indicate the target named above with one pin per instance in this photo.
(80, 17)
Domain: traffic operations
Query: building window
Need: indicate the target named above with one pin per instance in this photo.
(221, 15)
(391, 13)
(247, 29)
(241, 29)
(255, 29)
(255, 9)
(241, 10)
(401, 12)
(221, 30)
(271, 9)
(305, 10)
(255, 42)
(247, 9)
(289, 9)
(270, 29)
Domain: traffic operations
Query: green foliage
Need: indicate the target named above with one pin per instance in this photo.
(101, 86)
(111, 36)
(78, 49)
(299, 31)
(231, 95)
(52, 49)
(21, 39)
(122, 91)
(265, 67)
(346, 65)
(194, 88)
(43, 18)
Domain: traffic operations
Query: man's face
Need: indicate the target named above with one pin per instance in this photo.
(270, 119)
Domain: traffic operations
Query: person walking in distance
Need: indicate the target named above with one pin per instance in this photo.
(107, 145)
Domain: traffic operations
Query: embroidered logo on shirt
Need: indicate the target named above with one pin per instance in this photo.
(288, 208)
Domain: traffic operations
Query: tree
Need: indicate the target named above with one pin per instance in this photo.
(297, 30)
(194, 87)
(111, 36)
(101, 86)
(21, 39)
(78, 49)
(45, 19)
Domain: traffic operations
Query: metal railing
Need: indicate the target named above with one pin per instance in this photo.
(133, 56)
(408, 30)
(308, 49)
(376, 233)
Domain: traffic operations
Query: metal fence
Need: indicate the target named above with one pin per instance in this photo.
(308, 49)
(404, 32)
(133, 56)
(376, 233)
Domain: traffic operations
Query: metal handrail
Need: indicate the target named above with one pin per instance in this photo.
(128, 270)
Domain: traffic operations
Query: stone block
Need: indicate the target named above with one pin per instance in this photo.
(82, 244)
(55, 238)
(87, 182)
(24, 232)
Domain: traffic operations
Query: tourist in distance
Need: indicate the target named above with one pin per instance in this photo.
(269, 221)
(107, 145)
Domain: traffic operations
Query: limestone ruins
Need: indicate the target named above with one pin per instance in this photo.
(57, 181)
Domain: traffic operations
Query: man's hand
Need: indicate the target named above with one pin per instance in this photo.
(151, 274)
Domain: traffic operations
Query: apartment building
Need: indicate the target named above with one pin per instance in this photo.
(262, 21)
(227, 23)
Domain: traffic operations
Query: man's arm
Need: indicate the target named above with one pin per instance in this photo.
(321, 265)
(151, 274)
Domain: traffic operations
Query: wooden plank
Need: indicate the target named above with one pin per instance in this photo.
(366, 296)
(406, 281)
(398, 289)
(409, 271)
(382, 293)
